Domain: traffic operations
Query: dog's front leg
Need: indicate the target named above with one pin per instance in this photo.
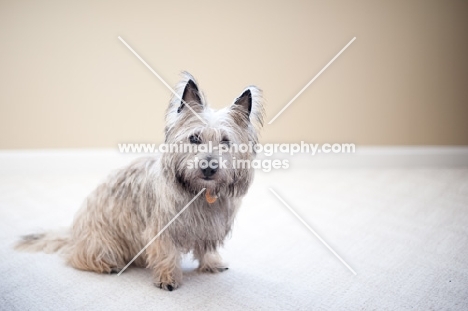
(163, 259)
(209, 261)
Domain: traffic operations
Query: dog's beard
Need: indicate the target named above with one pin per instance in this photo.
(194, 185)
(234, 184)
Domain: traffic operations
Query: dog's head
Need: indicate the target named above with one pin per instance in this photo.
(207, 148)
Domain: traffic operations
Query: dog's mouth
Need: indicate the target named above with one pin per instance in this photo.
(196, 185)
(208, 182)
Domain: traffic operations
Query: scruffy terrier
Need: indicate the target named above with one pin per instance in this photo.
(123, 214)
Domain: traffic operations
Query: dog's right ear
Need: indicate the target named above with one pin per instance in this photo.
(190, 96)
(187, 97)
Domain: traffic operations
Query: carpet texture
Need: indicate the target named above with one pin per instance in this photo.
(404, 231)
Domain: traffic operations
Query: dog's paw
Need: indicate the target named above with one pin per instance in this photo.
(115, 270)
(212, 269)
(167, 286)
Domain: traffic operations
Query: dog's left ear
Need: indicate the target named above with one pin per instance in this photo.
(248, 109)
(244, 102)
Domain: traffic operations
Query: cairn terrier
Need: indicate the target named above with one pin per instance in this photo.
(135, 204)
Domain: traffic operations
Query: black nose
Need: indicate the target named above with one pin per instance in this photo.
(211, 169)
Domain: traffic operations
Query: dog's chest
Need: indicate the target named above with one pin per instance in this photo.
(203, 222)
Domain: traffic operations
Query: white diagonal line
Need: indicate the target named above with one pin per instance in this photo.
(313, 79)
(160, 79)
(160, 232)
(313, 231)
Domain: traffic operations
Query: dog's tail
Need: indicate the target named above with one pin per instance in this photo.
(49, 242)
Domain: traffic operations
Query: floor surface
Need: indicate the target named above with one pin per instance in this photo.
(403, 231)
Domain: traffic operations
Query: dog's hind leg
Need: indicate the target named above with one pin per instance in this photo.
(92, 254)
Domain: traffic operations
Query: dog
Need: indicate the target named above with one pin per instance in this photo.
(136, 203)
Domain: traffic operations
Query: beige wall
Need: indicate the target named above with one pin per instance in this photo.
(66, 81)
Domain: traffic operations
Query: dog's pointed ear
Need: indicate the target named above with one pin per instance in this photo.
(190, 96)
(247, 109)
(244, 103)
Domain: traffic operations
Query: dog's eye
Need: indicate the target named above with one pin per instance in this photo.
(195, 139)
(225, 141)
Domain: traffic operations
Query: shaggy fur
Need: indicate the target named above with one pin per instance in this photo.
(123, 214)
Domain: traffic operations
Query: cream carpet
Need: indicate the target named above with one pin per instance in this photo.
(404, 231)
